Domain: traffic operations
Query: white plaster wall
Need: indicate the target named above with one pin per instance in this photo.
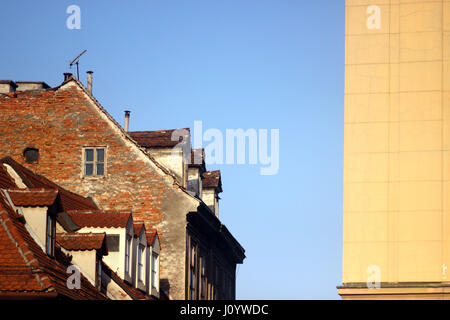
(86, 261)
(209, 198)
(36, 218)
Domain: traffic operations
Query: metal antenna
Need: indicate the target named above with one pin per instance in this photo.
(75, 61)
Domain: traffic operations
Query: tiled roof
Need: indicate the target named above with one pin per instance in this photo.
(212, 179)
(27, 271)
(33, 197)
(82, 241)
(100, 219)
(158, 139)
(68, 200)
(137, 226)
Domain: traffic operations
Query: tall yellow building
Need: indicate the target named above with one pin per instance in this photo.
(396, 237)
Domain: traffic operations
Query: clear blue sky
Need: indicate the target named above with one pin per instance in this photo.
(260, 64)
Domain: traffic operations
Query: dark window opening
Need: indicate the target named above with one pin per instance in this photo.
(31, 155)
(112, 242)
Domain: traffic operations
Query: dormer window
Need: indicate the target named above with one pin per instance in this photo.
(93, 161)
(51, 235)
(31, 155)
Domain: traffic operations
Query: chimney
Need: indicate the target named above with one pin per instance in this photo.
(7, 86)
(89, 81)
(211, 187)
(67, 76)
(127, 120)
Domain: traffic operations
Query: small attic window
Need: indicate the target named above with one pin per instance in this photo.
(31, 155)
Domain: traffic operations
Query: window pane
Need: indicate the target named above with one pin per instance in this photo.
(89, 169)
(89, 155)
(112, 242)
(100, 155)
(100, 169)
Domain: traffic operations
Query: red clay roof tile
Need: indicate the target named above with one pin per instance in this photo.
(68, 200)
(212, 179)
(33, 197)
(137, 226)
(26, 270)
(160, 138)
(81, 241)
(151, 233)
(100, 219)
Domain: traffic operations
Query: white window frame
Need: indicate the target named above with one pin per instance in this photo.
(141, 263)
(94, 161)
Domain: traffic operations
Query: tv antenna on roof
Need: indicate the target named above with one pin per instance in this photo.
(75, 61)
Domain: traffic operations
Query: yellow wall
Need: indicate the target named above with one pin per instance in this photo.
(397, 141)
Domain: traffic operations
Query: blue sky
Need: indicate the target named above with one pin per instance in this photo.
(259, 64)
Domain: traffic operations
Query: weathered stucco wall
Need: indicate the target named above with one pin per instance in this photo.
(86, 261)
(171, 159)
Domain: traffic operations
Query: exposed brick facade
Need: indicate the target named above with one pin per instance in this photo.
(60, 122)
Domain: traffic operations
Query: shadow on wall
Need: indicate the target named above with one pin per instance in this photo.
(164, 287)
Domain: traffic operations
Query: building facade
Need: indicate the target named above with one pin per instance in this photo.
(65, 134)
(396, 237)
